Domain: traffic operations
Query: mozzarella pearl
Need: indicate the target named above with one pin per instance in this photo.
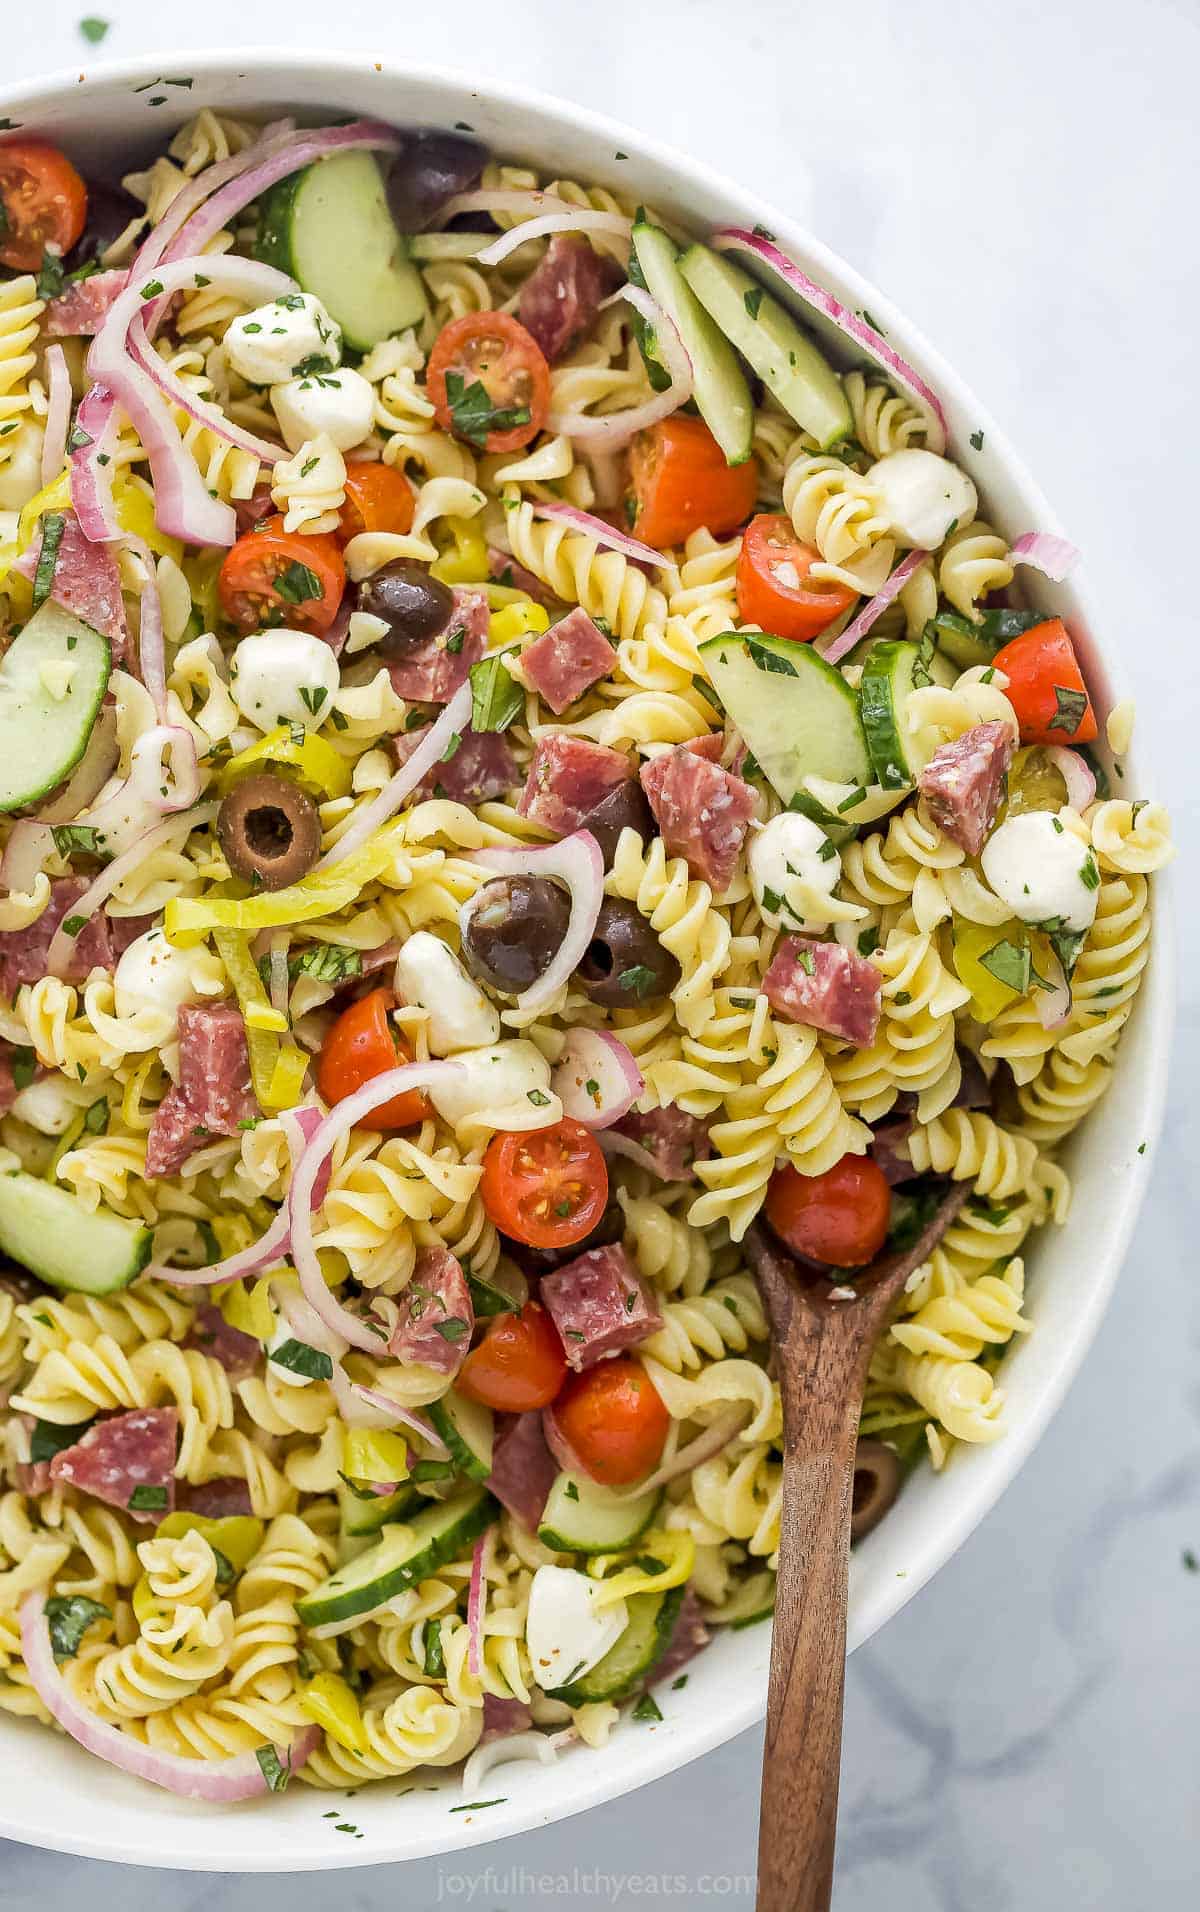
(269, 343)
(1042, 870)
(566, 1633)
(507, 1085)
(284, 677)
(153, 974)
(429, 976)
(341, 404)
(924, 495)
(792, 865)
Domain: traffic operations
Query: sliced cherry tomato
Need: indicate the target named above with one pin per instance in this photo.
(273, 576)
(772, 582)
(548, 1187)
(681, 483)
(378, 498)
(612, 1416)
(361, 1045)
(43, 202)
(1046, 687)
(489, 381)
(840, 1217)
(518, 1365)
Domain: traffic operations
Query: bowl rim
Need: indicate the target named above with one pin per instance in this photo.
(612, 1778)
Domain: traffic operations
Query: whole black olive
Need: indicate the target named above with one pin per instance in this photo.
(514, 931)
(110, 209)
(876, 1484)
(414, 605)
(625, 963)
(427, 171)
(624, 808)
(270, 831)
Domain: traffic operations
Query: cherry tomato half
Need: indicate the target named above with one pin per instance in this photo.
(518, 1365)
(772, 582)
(378, 498)
(273, 576)
(44, 203)
(681, 483)
(489, 381)
(1046, 687)
(612, 1417)
(840, 1217)
(361, 1045)
(547, 1188)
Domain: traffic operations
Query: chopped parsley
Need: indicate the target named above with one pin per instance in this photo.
(647, 1708)
(77, 839)
(478, 1805)
(49, 1438)
(752, 300)
(475, 414)
(807, 961)
(50, 275)
(1010, 964)
(639, 979)
(452, 1328)
(69, 1620)
(297, 583)
(22, 1063)
(148, 1499)
(976, 441)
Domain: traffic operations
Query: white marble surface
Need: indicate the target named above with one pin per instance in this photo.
(1022, 179)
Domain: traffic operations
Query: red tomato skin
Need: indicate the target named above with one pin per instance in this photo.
(1038, 663)
(378, 498)
(840, 1217)
(613, 1419)
(45, 203)
(519, 1365)
(527, 1176)
(360, 1046)
(785, 610)
(521, 357)
(680, 483)
(245, 582)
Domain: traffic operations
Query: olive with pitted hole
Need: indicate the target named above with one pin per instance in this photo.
(625, 963)
(624, 808)
(876, 1484)
(270, 831)
(413, 605)
(514, 930)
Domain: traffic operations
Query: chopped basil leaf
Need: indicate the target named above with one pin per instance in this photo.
(752, 300)
(433, 1658)
(50, 275)
(301, 1359)
(96, 1119)
(147, 1499)
(22, 1062)
(454, 642)
(474, 413)
(1089, 874)
(452, 1328)
(313, 699)
(77, 839)
(639, 979)
(43, 577)
(274, 1770)
(1010, 964)
(807, 961)
(976, 441)
(571, 1491)
(452, 748)
(496, 697)
(1069, 709)
(297, 584)
(769, 660)
(69, 1620)
(868, 941)
(49, 1438)
(647, 1708)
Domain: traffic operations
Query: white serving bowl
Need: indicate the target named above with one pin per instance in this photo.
(55, 1795)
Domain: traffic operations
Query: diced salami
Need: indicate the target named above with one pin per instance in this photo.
(523, 1469)
(215, 1499)
(239, 1354)
(505, 570)
(568, 777)
(122, 1455)
(213, 1097)
(599, 1305)
(503, 1718)
(826, 987)
(963, 782)
(562, 295)
(79, 312)
(436, 1316)
(889, 1150)
(674, 1139)
(86, 581)
(702, 812)
(567, 659)
(481, 768)
(689, 1636)
(434, 669)
(23, 952)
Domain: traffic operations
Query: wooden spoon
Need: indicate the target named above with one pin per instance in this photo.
(823, 1338)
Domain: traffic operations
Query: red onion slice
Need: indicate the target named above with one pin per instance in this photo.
(90, 774)
(577, 860)
(573, 219)
(62, 946)
(270, 1250)
(361, 1406)
(210, 416)
(58, 413)
(91, 466)
(875, 607)
(219, 1781)
(306, 1324)
(477, 1599)
(430, 750)
(613, 1143)
(603, 532)
(278, 987)
(596, 1078)
(511, 199)
(1075, 772)
(715, 1437)
(305, 1197)
(1041, 551)
(617, 428)
(731, 238)
(25, 855)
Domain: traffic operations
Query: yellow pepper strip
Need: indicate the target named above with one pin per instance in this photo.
(56, 496)
(499, 596)
(187, 920)
(677, 1552)
(135, 514)
(233, 1232)
(974, 942)
(374, 1456)
(237, 1536)
(1035, 782)
(249, 1309)
(330, 1702)
(287, 1078)
(317, 765)
(516, 620)
(262, 1042)
(202, 570)
(465, 559)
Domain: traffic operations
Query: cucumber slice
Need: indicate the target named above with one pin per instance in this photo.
(82, 1251)
(720, 390)
(582, 1517)
(626, 1665)
(890, 675)
(468, 1429)
(44, 734)
(329, 227)
(968, 644)
(797, 713)
(766, 334)
(400, 1559)
(753, 1601)
(369, 1514)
